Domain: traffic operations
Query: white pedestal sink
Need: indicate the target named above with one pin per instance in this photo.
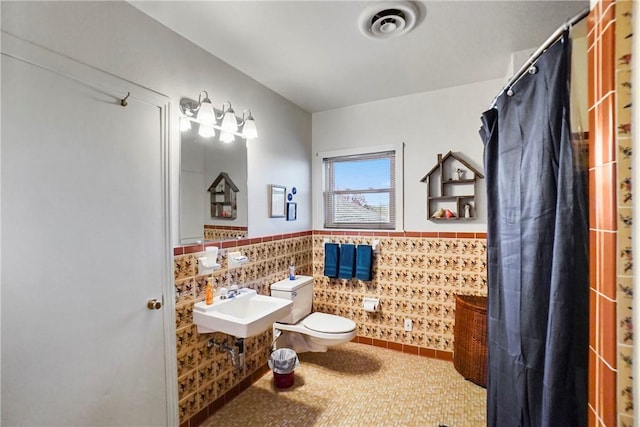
(242, 316)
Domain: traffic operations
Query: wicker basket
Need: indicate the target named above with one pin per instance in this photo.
(470, 338)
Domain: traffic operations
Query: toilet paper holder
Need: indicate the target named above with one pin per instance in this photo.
(370, 304)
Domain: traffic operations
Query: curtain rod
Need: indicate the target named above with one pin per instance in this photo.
(535, 55)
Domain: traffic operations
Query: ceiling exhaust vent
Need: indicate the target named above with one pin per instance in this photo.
(384, 20)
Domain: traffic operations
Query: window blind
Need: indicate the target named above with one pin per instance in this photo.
(360, 191)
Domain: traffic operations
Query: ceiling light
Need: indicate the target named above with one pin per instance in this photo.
(207, 117)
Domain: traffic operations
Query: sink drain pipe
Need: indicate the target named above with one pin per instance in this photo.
(237, 354)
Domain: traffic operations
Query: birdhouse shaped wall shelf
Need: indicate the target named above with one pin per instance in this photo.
(223, 197)
(451, 189)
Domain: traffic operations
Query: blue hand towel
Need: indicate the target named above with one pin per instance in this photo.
(331, 256)
(347, 261)
(364, 258)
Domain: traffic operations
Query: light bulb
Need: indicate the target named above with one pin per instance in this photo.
(229, 122)
(227, 137)
(185, 124)
(249, 129)
(206, 114)
(206, 131)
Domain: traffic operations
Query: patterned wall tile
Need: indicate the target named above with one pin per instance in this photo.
(184, 267)
(188, 360)
(625, 380)
(187, 384)
(188, 406)
(204, 373)
(415, 278)
(624, 156)
(224, 233)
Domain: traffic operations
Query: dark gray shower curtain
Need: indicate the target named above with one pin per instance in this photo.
(537, 241)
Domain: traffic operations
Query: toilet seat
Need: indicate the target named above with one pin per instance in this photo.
(328, 323)
(314, 331)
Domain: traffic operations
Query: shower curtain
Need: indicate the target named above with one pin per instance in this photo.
(537, 250)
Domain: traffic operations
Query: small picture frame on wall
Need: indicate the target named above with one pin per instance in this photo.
(277, 200)
(292, 211)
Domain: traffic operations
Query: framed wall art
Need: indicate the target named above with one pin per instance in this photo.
(277, 200)
(292, 211)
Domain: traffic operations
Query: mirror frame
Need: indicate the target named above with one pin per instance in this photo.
(277, 201)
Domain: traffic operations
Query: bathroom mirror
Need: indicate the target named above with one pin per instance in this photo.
(202, 161)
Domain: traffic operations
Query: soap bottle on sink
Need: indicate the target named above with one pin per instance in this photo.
(292, 271)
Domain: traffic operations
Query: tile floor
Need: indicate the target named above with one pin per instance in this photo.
(360, 385)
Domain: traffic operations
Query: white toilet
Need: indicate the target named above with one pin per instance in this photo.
(303, 330)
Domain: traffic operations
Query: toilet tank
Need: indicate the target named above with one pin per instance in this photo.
(300, 291)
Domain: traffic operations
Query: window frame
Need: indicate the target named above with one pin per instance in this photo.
(397, 194)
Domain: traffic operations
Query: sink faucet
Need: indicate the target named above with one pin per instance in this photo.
(233, 291)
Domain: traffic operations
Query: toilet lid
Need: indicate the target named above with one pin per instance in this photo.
(323, 322)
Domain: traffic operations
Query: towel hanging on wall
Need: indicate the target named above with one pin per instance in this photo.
(331, 258)
(364, 258)
(347, 261)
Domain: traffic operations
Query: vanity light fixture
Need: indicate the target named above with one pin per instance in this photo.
(249, 129)
(206, 115)
(229, 122)
(203, 113)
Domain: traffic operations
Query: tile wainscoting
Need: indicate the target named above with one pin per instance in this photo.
(206, 377)
(416, 275)
(224, 232)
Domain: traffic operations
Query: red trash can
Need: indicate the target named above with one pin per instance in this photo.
(283, 380)
(283, 362)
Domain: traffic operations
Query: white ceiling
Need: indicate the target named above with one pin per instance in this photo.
(313, 53)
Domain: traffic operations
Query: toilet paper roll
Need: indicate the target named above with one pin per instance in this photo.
(370, 305)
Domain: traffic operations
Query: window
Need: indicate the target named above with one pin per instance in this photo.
(360, 190)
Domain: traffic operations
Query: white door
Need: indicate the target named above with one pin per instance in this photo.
(84, 247)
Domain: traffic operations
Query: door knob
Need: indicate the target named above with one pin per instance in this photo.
(154, 304)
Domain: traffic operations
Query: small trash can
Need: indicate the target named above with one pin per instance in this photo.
(283, 362)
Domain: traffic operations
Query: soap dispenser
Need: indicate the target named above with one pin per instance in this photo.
(208, 293)
(292, 271)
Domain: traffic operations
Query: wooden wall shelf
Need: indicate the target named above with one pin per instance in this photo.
(450, 192)
(223, 197)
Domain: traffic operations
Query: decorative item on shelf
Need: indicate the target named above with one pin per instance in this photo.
(205, 116)
(277, 200)
(223, 197)
(467, 210)
(450, 191)
(438, 214)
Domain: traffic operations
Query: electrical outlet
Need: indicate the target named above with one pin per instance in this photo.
(408, 325)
